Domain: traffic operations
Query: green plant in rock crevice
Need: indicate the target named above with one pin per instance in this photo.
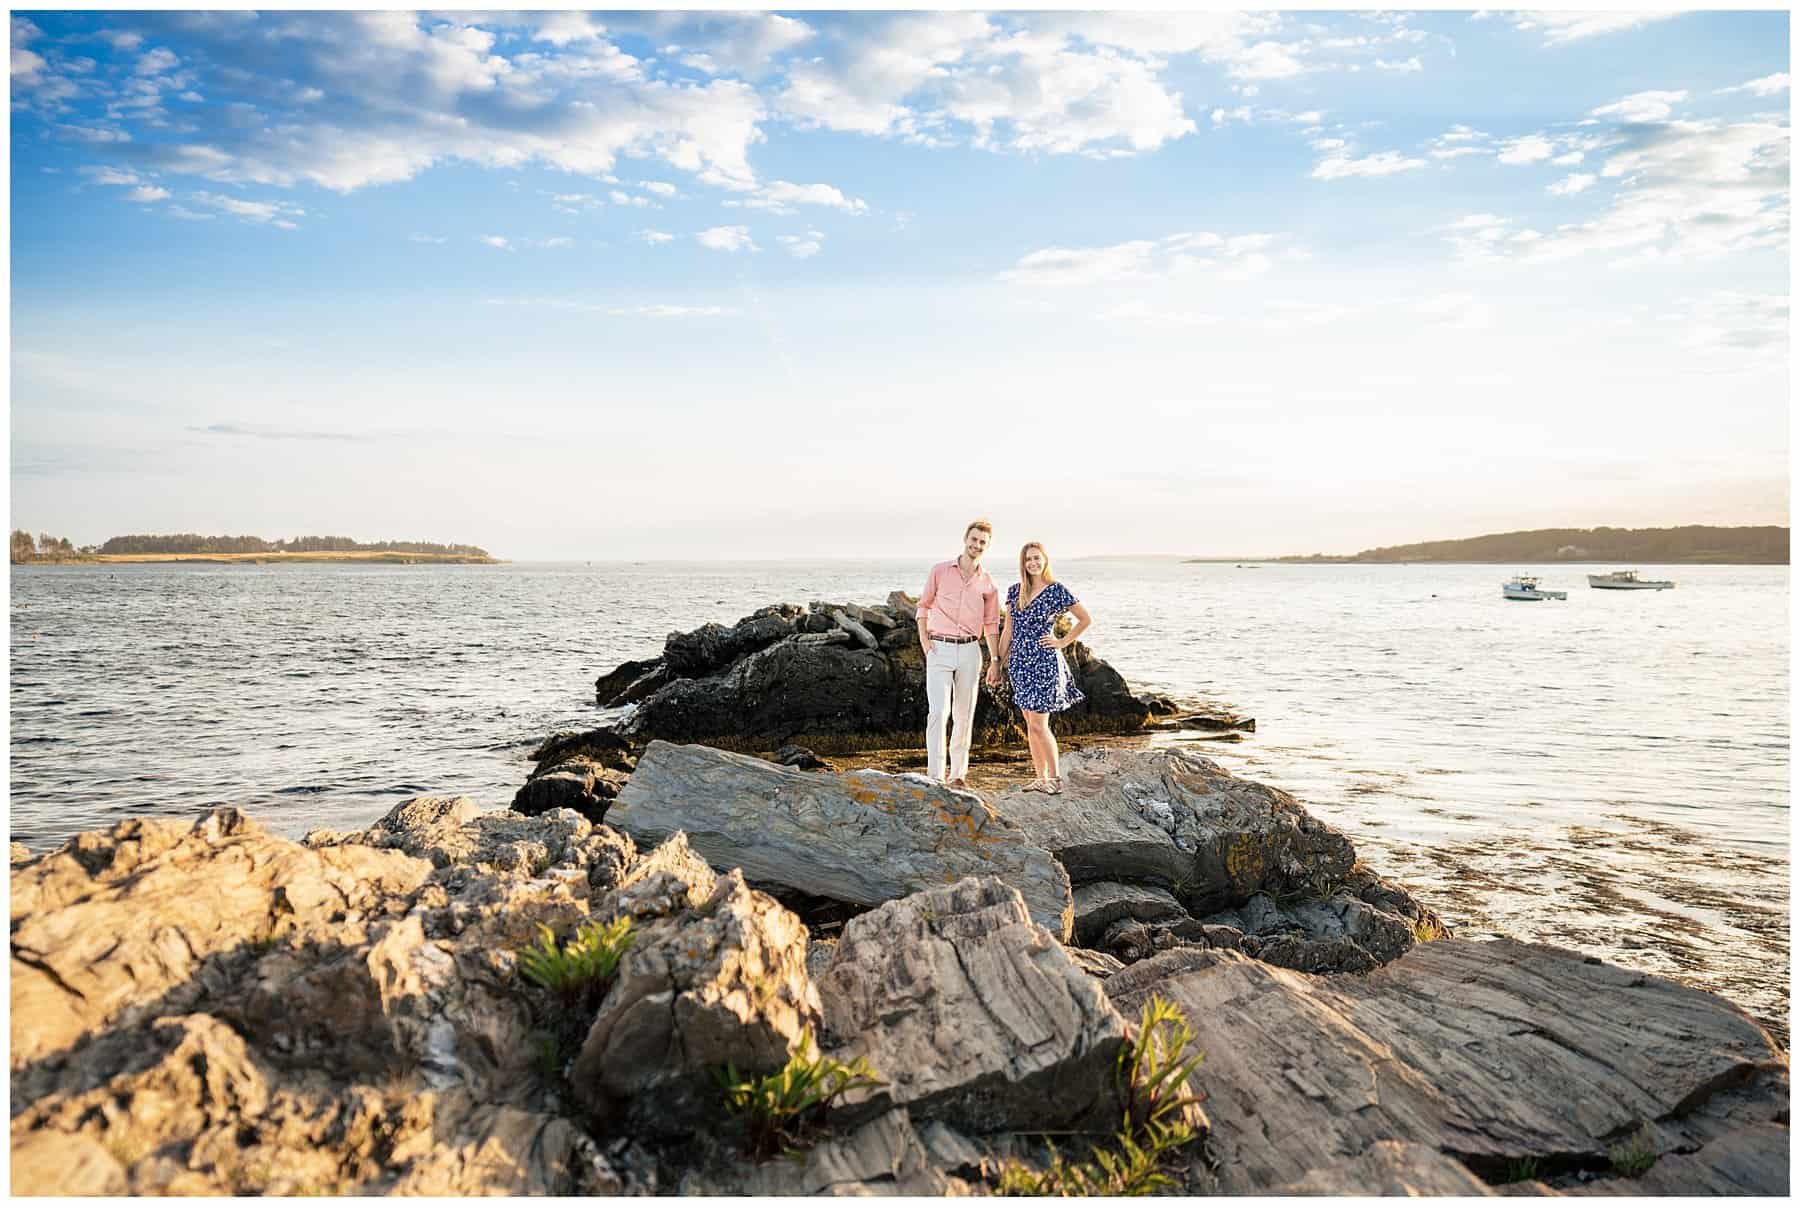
(1522, 1169)
(783, 1108)
(1153, 1070)
(1634, 1154)
(588, 958)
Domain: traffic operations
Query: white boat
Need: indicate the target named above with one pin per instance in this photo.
(1525, 586)
(1628, 580)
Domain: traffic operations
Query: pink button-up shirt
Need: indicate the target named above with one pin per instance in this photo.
(952, 608)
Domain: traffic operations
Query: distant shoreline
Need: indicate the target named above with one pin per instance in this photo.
(386, 557)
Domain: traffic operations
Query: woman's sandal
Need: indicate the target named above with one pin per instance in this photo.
(1035, 786)
(1053, 786)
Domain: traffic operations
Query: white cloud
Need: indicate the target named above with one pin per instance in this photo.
(157, 61)
(1221, 116)
(1642, 107)
(1528, 149)
(805, 246)
(1685, 190)
(1234, 257)
(1082, 265)
(937, 77)
(275, 213)
(1768, 85)
(500, 242)
(655, 237)
(107, 174)
(1737, 322)
(1405, 65)
(746, 44)
(387, 95)
(1567, 159)
(1575, 182)
(563, 28)
(1559, 29)
(420, 237)
(661, 188)
(727, 238)
(620, 197)
(1339, 165)
(780, 196)
(147, 193)
(674, 312)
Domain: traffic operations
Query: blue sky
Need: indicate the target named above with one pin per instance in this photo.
(693, 285)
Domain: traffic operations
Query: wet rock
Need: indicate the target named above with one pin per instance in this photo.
(801, 757)
(723, 983)
(1488, 1052)
(975, 1015)
(713, 646)
(860, 837)
(609, 686)
(603, 746)
(578, 784)
(836, 671)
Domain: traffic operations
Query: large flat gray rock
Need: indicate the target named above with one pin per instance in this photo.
(1172, 818)
(861, 837)
(1488, 1052)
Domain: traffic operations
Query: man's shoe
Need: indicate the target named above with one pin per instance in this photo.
(959, 783)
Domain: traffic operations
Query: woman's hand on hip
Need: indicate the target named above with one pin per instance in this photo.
(1048, 642)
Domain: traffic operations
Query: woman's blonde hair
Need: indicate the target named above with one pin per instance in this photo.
(1024, 578)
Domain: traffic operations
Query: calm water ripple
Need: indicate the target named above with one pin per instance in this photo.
(1609, 773)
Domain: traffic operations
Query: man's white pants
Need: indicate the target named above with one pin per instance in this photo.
(952, 675)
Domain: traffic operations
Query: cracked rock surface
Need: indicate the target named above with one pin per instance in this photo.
(1488, 1052)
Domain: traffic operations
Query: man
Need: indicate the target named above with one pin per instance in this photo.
(958, 609)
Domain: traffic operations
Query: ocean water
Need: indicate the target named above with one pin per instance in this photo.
(1608, 773)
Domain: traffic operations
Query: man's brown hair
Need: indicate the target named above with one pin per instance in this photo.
(983, 524)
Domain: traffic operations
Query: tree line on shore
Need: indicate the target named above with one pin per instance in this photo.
(1692, 543)
(46, 547)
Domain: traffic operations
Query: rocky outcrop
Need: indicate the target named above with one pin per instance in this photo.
(1247, 867)
(835, 675)
(723, 982)
(1493, 1053)
(205, 1008)
(859, 837)
(974, 1014)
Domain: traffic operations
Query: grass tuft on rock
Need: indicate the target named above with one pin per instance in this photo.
(1427, 930)
(1154, 1069)
(1521, 1169)
(589, 957)
(1634, 1154)
(786, 1107)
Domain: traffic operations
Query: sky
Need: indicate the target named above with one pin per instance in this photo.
(813, 284)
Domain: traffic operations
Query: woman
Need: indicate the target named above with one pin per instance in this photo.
(1041, 683)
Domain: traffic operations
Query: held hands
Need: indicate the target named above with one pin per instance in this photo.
(993, 673)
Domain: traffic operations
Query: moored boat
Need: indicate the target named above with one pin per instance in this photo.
(1525, 587)
(1628, 580)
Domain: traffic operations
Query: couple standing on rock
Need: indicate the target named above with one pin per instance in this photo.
(958, 609)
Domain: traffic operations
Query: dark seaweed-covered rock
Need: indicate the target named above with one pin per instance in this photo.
(834, 673)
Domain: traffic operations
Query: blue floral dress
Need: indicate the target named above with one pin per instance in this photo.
(1040, 678)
